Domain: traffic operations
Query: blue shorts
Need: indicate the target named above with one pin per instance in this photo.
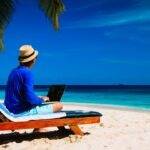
(44, 109)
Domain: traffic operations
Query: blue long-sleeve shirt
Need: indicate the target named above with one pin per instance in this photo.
(19, 94)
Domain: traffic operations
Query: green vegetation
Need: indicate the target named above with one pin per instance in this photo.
(51, 8)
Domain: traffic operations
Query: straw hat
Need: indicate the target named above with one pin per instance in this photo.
(27, 53)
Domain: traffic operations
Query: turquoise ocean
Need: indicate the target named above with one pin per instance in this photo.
(136, 97)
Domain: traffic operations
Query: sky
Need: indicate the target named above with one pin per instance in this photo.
(99, 42)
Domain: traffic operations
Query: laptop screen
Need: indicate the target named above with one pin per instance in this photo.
(55, 92)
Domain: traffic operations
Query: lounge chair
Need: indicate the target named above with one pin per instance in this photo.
(9, 121)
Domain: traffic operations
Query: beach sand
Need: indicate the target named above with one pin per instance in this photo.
(120, 129)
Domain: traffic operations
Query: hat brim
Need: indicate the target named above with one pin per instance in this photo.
(30, 58)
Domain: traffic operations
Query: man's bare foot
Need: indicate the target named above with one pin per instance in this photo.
(41, 130)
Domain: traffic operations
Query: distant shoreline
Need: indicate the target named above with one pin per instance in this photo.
(115, 86)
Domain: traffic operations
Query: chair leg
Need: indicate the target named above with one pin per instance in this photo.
(76, 130)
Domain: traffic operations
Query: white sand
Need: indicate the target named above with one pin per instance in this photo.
(120, 129)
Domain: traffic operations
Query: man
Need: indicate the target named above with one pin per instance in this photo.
(19, 94)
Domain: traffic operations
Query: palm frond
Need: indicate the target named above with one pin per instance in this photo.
(52, 9)
(6, 9)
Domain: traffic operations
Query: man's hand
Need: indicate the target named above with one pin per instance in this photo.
(45, 98)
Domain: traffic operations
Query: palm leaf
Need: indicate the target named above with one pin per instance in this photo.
(6, 9)
(52, 9)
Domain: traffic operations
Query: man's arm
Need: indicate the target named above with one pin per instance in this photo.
(30, 96)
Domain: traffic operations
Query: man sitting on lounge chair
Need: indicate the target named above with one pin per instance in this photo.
(20, 96)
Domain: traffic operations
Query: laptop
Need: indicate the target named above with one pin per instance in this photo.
(55, 93)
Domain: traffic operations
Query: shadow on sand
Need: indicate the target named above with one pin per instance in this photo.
(18, 138)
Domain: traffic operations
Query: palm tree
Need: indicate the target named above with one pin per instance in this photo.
(51, 8)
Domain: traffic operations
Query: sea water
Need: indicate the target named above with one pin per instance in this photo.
(131, 98)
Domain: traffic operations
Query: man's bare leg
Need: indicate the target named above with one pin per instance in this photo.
(56, 108)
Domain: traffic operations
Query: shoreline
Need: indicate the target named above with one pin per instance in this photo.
(106, 106)
(112, 107)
